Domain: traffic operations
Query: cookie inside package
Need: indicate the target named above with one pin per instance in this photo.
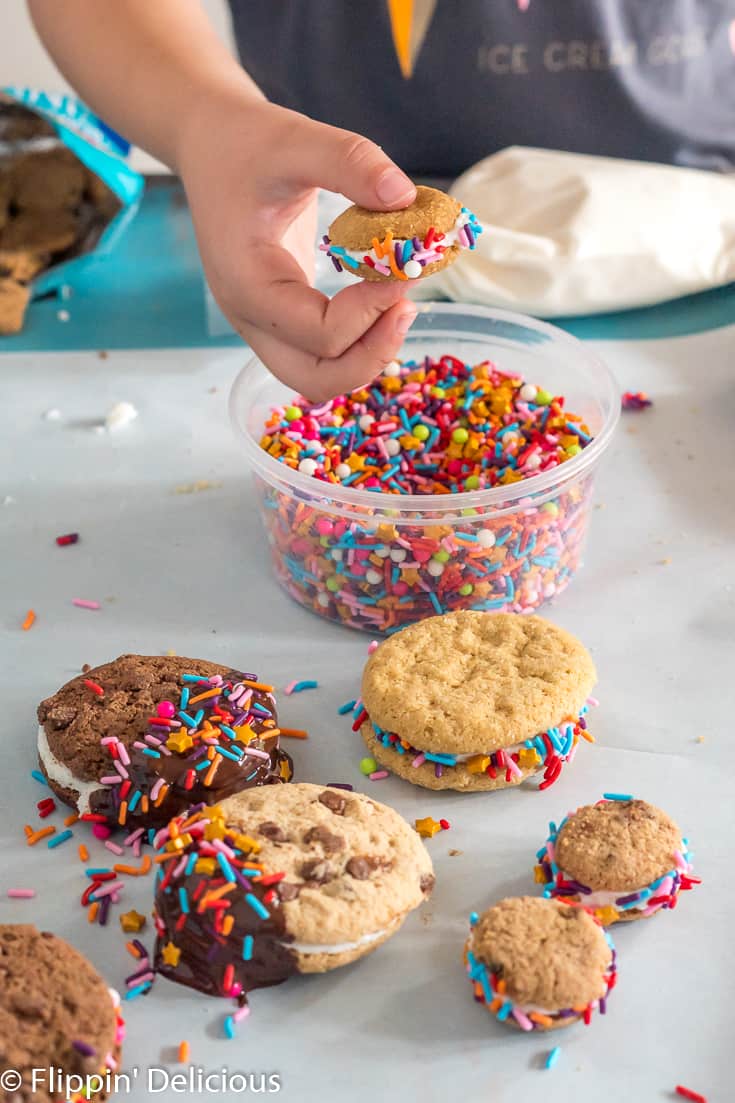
(66, 194)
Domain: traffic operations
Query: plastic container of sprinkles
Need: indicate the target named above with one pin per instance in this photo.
(379, 561)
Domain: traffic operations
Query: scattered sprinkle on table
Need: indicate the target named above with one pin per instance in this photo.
(299, 687)
(21, 894)
(427, 827)
(368, 766)
(67, 538)
(636, 400)
(59, 839)
(687, 1093)
(29, 620)
(83, 603)
(183, 1053)
(38, 776)
(552, 1058)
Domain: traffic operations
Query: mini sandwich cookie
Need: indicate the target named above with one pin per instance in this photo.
(290, 879)
(58, 1016)
(622, 858)
(474, 700)
(539, 964)
(140, 739)
(402, 245)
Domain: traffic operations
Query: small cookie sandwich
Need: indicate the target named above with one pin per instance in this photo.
(289, 879)
(539, 964)
(402, 245)
(621, 858)
(58, 1019)
(141, 739)
(473, 700)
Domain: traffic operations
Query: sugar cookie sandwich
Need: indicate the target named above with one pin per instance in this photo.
(622, 858)
(410, 244)
(474, 701)
(538, 964)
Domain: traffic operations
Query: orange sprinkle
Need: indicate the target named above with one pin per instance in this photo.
(184, 1053)
(209, 776)
(501, 986)
(378, 248)
(132, 949)
(28, 830)
(73, 818)
(161, 796)
(227, 924)
(83, 853)
(542, 1020)
(294, 733)
(216, 894)
(42, 834)
(123, 813)
(144, 804)
(204, 696)
(159, 858)
(259, 685)
(28, 622)
(134, 871)
(92, 913)
(394, 267)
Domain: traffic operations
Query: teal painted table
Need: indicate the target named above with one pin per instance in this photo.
(149, 293)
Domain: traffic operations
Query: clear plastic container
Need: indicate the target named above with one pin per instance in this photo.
(370, 561)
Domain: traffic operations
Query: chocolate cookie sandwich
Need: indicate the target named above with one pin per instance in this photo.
(60, 1025)
(141, 739)
(624, 859)
(472, 701)
(410, 244)
(275, 881)
(538, 964)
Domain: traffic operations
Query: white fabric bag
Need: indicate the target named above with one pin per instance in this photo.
(572, 234)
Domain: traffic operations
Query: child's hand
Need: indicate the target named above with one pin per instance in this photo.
(250, 172)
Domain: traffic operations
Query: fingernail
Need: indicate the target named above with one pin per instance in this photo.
(393, 186)
(404, 321)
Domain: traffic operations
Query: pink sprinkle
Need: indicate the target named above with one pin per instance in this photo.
(122, 750)
(253, 752)
(240, 1014)
(288, 690)
(101, 831)
(83, 604)
(131, 838)
(592, 702)
(157, 786)
(372, 646)
(111, 779)
(419, 760)
(21, 894)
(378, 775)
(108, 890)
(522, 1019)
(114, 848)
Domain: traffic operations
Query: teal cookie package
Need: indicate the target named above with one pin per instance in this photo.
(103, 153)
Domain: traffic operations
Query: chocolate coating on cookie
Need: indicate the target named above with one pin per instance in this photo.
(164, 732)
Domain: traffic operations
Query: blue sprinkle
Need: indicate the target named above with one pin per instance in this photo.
(135, 801)
(190, 864)
(151, 753)
(184, 901)
(473, 918)
(193, 678)
(256, 905)
(57, 840)
(188, 720)
(131, 995)
(228, 754)
(247, 947)
(435, 602)
(230, 1026)
(225, 866)
(617, 796)
(94, 872)
(228, 731)
(505, 1011)
(552, 1058)
(184, 697)
(38, 776)
(198, 718)
(301, 686)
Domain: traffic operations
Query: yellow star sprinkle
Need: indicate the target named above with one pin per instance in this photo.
(478, 763)
(606, 915)
(171, 954)
(528, 757)
(427, 827)
(539, 875)
(132, 922)
(356, 462)
(180, 742)
(206, 866)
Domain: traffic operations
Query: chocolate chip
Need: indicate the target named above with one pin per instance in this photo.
(427, 883)
(272, 831)
(288, 891)
(320, 834)
(361, 868)
(316, 870)
(333, 800)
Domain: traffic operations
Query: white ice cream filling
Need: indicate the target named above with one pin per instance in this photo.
(335, 947)
(61, 775)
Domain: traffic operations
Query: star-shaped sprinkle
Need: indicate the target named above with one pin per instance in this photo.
(528, 757)
(478, 763)
(132, 922)
(171, 954)
(356, 462)
(606, 915)
(180, 742)
(427, 827)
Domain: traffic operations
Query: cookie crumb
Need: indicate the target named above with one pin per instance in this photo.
(455, 853)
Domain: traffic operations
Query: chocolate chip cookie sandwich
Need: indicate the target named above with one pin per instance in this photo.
(624, 859)
(538, 964)
(286, 879)
(410, 244)
(60, 1025)
(137, 741)
(472, 701)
